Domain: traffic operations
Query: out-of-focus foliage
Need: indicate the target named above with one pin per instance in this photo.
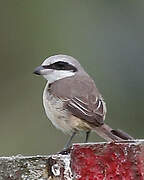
(108, 39)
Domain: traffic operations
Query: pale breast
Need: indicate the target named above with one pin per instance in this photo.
(61, 118)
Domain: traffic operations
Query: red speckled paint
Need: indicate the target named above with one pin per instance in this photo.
(113, 161)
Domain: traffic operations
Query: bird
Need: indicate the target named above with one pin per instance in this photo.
(72, 101)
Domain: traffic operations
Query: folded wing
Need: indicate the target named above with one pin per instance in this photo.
(90, 109)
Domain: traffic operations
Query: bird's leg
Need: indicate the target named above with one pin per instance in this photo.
(69, 140)
(87, 136)
(66, 148)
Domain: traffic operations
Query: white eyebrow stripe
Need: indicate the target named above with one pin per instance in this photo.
(81, 106)
(73, 104)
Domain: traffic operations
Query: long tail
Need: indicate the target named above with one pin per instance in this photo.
(110, 134)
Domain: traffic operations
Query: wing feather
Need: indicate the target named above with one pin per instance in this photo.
(81, 98)
(91, 112)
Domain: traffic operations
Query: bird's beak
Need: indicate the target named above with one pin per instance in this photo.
(38, 70)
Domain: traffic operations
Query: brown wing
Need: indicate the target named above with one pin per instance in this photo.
(93, 112)
(81, 98)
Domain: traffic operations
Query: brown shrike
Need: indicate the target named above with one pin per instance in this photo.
(71, 100)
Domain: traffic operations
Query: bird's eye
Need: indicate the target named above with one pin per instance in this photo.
(60, 65)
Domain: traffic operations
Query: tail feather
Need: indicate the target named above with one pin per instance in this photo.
(110, 134)
(122, 134)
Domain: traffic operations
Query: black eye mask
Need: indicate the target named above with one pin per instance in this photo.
(60, 65)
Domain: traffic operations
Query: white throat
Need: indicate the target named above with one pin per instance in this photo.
(55, 75)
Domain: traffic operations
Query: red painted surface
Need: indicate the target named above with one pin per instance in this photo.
(113, 161)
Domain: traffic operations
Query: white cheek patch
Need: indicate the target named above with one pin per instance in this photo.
(58, 74)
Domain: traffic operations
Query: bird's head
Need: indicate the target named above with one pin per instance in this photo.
(58, 67)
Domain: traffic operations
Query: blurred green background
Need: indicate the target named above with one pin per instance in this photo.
(107, 37)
